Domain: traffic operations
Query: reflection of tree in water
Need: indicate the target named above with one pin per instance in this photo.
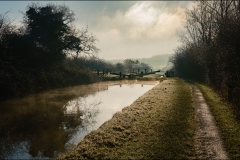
(40, 125)
(130, 85)
(88, 112)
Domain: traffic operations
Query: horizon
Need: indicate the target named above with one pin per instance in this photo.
(141, 58)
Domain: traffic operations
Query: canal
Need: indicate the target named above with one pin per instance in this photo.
(48, 124)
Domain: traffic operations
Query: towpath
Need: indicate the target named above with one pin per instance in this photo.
(208, 143)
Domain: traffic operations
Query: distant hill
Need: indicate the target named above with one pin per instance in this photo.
(156, 62)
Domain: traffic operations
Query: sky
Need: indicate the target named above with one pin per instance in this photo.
(124, 29)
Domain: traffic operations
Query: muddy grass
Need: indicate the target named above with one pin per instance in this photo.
(159, 124)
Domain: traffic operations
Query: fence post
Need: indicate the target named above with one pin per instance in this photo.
(98, 72)
(142, 74)
(230, 87)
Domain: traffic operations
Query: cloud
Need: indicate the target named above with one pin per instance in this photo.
(143, 29)
(142, 21)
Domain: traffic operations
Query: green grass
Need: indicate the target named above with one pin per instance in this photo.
(179, 130)
(226, 121)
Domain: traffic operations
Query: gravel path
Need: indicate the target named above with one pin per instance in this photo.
(208, 144)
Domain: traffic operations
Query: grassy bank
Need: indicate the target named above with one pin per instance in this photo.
(226, 121)
(152, 77)
(159, 124)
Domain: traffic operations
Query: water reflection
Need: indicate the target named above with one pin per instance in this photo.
(38, 126)
(47, 124)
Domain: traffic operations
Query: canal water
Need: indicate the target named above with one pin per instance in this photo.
(48, 124)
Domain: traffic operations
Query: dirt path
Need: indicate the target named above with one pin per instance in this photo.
(208, 144)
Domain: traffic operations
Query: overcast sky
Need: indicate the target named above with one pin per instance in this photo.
(124, 29)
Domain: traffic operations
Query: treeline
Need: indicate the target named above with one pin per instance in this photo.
(94, 64)
(210, 50)
(36, 55)
(156, 62)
